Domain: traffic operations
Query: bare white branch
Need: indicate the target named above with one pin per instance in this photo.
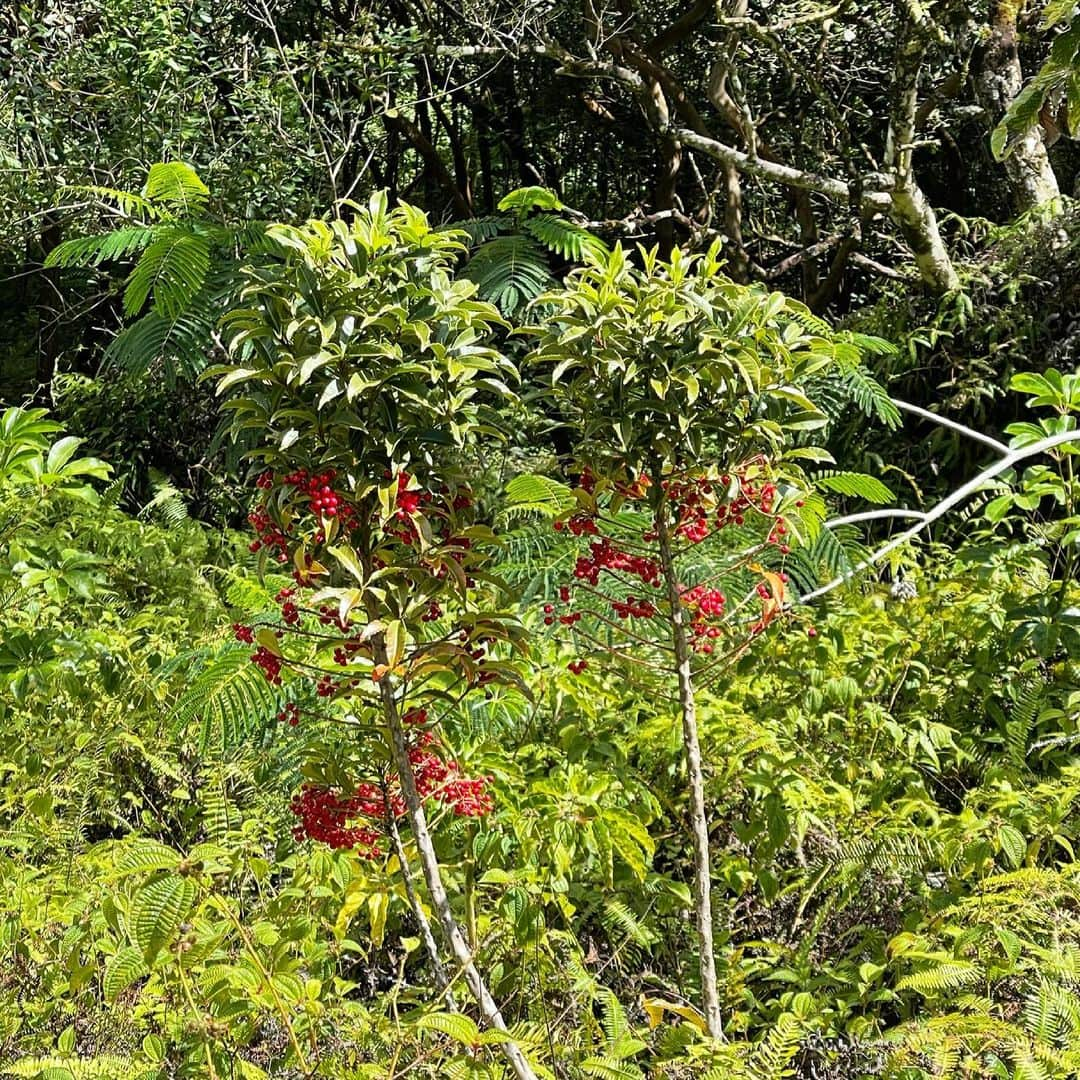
(960, 495)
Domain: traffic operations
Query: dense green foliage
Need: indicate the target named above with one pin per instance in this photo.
(539, 540)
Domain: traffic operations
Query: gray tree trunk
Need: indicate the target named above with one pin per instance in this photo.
(998, 79)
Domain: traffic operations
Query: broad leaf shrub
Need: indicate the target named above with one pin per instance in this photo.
(684, 393)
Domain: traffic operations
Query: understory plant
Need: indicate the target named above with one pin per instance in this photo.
(370, 374)
(684, 395)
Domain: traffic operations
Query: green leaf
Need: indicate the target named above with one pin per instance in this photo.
(856, 485)
(121, 971)
(158, 910)
(459, 1027)
(143, 856)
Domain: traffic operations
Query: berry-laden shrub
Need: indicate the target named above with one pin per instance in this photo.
(369, 371)
(685, 394)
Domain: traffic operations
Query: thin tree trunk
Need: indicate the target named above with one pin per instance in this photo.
(699, 824)
(429, 862)
(918, 223)
(909, 207)
(442, 979)
(664, 195)
(48, 305)
(998, 79)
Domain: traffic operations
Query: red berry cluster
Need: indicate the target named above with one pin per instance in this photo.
(691, 499)
(604, 555)
(268, 534)
(578, 525)
(270, 664)
(325, 815)
(576, 667)
(335, 817)
(408, 502)
(290, 714)
(704, 604)
(633, 608)
(352, 821)
(440, 780)
(330, 616)
(323, 500)
(701, 506)
(777, 534)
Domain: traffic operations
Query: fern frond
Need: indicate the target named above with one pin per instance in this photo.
(623, 925)
(773, 1056)
(102, 1067)
(172, 269)
(1025, 715)
(565, 238)
(947, 975)
(509, 272)
(175, 184)
(167, 507)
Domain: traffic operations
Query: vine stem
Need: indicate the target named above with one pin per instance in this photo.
(429, 862)
(441, 977)
(228, 912)
(198, 1013)
(699, 824)
(960, 495)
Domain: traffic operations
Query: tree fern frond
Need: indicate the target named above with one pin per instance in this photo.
(229, 698)
(483, 228)
(95, 250)
(533, 494)
(127, 202)
(175, 184)
(870, 396)
(172, 270)
(178, 346)
(565, 238)
(853, 484)
(509, 272)
(530, 198)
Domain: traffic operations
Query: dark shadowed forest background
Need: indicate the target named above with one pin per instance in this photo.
(539, 539)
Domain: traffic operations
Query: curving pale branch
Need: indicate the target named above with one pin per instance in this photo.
(1007, 459)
